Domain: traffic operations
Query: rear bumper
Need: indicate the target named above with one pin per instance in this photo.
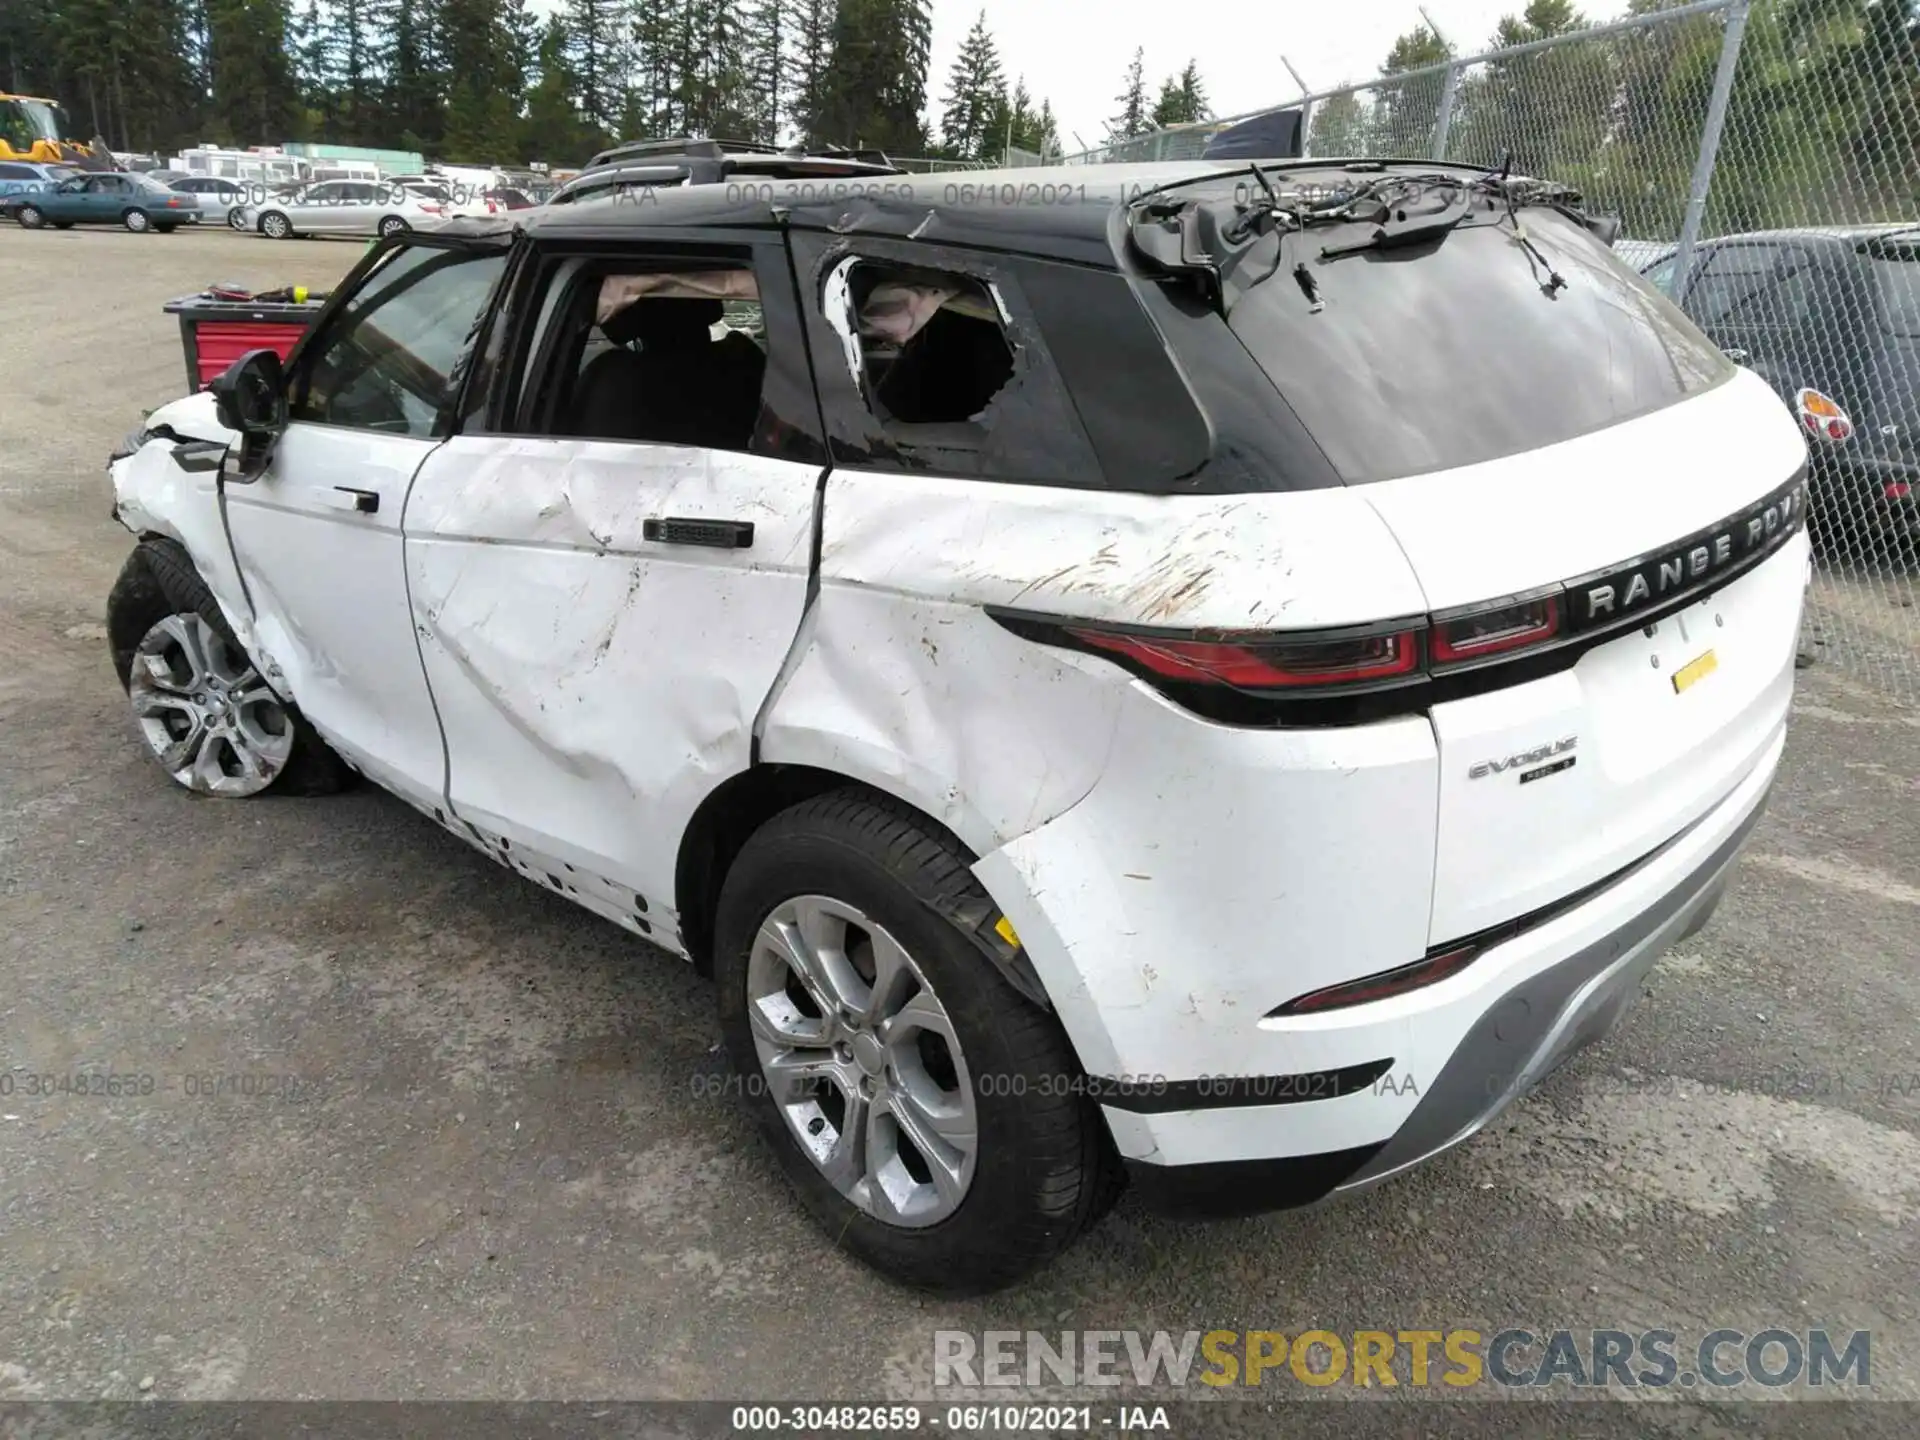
(1547, 994)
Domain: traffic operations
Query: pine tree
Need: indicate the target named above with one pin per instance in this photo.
(970, 117)
(872, 93)
(1132, 99)
(252, 90)
(350, 69)
(598, 59)
(553, 131)
(766, 55)
(810, 31)
(1182, 99)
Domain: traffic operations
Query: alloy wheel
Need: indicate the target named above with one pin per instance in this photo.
(208, 717)
(275, 227)
(136, 220)
(861, 1059)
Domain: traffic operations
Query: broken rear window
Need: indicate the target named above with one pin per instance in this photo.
(932, 350)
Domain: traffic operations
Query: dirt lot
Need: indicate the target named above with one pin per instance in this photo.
(496, 1174)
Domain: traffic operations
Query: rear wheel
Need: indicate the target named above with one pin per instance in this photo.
(921, 1106)
(206, 715)
(391, 226)
(31, 217)
(137, 221)
(275, 226)
(236, 219)
(166, 229)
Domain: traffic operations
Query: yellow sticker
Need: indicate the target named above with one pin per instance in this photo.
(1003, 927)
(1694, 671)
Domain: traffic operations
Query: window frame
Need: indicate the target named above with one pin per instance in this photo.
(326, 325)
(789, 426)
(1046, 443)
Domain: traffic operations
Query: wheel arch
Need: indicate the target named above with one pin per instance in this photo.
(730, 815)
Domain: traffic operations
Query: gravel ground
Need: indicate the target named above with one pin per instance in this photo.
(496, 1175)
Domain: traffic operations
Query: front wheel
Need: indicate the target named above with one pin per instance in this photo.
(925, 1111)
(206, 715)
(31, 217)
(137, 221)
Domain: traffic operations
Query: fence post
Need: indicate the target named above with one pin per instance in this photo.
(1443, 122)
(1709, 143)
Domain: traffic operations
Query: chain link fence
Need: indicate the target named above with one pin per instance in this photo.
(1764, 157)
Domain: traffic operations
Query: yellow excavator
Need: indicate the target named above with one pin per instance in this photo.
(34, 129)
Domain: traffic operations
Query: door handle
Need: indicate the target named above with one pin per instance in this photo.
(719, 534)
(364, 502)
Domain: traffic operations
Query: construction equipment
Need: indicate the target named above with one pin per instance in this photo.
(36, 129)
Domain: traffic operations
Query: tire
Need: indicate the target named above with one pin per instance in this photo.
(276, 226)
(159, 587)
(137, 221)
(31, 217)
(166, 229)
(236, 220)
(1042, 1167)
(391, 226)
(63, 224)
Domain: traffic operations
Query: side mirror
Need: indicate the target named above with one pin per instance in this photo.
(251, 395)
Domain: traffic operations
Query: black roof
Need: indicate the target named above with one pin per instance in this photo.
(1058, 212)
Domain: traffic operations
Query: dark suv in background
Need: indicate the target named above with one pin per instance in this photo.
(1831, 319)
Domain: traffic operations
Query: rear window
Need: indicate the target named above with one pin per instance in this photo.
(1430, 358)
(1896, 276)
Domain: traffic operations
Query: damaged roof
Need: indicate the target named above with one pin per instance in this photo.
(1060, 212)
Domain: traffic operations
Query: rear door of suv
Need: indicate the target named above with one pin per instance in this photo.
(608, 565)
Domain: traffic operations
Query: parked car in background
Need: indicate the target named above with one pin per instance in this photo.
(1094, 712)
(19, 177)
(498, 201)
(112, 197)
(221, 202)
(344, 207)
(1830, 318)
(664, 164)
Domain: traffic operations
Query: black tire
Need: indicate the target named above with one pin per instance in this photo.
(31, 217)
(391, 226)
(158, 580)
(1046, 1168)
(236, 220)
(63, 224)
(166, 229)
(276, 226)
(137, 220)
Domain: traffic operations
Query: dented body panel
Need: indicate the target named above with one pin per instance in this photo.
(593, 685)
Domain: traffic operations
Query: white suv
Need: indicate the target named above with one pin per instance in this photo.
(1214, 676)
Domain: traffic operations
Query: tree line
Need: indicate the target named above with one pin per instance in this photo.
(1823, 124)
(489, 80)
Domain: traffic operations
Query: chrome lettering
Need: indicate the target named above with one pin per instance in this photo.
(1722, 548)
(1669, 573)
(1637, 589)
(1756, 527)
(1599, 598)
(1698, 561)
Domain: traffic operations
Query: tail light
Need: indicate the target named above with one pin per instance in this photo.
(1898, 490)
(1264, 662)
(1316, 662)
(1822, 416)
(427, 208)
(1482, 631)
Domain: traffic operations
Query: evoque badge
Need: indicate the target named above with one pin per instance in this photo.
(1523, 759)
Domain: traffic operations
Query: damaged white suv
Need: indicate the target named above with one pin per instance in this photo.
(1214, 676)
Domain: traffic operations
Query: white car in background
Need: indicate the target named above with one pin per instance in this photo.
(221, 202)
(344, 207)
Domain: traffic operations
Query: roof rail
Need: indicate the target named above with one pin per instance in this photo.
(692, 147)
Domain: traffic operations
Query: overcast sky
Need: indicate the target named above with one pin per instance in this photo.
(1076, 52)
